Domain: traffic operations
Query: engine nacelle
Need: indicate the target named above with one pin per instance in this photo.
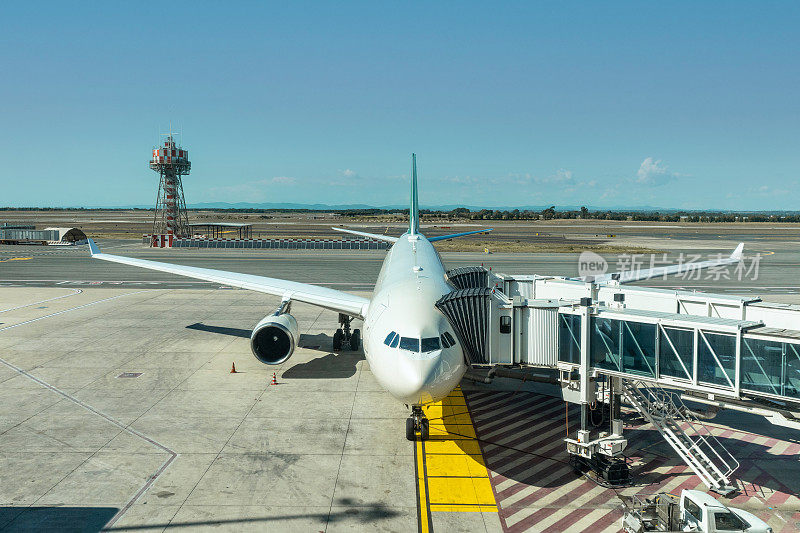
(274, 338)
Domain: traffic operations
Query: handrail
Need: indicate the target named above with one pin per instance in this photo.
(669, 407)
(679, 410)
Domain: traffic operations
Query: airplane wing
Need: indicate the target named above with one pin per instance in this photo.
(377, 236)
(638, 275)
(332, 299)
(454, 235)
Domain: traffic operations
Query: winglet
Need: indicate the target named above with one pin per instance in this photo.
(93, 248)
(737, 253)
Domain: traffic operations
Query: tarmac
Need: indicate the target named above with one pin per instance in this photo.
(119, 410)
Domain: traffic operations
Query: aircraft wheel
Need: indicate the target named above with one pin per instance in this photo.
(355, 339)
(424, 429)
(337, 340)
(410, 433)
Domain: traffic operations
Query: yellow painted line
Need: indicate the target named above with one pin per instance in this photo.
(15, 259)
(457, 479)
(464, 508)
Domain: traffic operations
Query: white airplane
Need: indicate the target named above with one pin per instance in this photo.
(411, 347)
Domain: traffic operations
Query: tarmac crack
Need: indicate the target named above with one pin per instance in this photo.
(344, 445)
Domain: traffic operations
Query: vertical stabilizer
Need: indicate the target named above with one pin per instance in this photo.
(413, 219)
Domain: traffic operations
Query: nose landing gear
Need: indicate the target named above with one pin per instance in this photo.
(344, 336)
(417, 422)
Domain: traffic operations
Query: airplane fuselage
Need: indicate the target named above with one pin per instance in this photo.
(410, 282)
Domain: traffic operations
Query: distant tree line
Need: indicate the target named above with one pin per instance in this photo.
(551, 213)
(462, 213)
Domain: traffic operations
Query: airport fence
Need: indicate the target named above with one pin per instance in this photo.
(287, 244)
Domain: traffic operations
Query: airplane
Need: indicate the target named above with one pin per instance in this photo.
(412, 349)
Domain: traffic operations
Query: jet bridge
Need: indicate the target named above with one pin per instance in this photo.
(649, 347)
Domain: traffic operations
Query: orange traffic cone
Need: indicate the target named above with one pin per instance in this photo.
(233, 368)
(274, 379)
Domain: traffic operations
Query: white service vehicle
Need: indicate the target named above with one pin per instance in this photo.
(693, 511)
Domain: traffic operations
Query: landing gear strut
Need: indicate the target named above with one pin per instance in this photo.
(343, 335)
(417, 422)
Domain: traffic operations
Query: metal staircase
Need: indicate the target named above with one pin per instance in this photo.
(695, 444)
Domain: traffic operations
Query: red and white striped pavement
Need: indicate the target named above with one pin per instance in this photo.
(536, 490)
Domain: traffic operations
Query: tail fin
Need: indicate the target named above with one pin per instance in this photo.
(413, 218)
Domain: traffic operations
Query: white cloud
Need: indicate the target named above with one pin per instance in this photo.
(562, 176)
(654, 172)
(283, 180)
(767, 191)
(348, 173)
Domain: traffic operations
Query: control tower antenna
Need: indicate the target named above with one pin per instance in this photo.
(171, 162)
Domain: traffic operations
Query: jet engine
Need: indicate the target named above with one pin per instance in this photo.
(274, 338)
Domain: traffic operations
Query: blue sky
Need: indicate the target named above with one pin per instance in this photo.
(687, 105)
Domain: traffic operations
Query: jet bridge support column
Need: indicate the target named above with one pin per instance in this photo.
(614, 399)
(587, 390)
(602, 455)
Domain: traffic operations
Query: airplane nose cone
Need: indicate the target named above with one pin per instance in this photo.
(417, 382)
(411, 380)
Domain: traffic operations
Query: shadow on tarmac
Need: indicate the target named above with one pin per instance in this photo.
(55, 518)
(233, 332)
(330, 366)
(521, 454)
(365, 514)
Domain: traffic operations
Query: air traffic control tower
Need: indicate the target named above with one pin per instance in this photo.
(172, 163)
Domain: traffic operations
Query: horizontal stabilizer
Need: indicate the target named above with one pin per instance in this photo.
(454, 235)
(385, 238)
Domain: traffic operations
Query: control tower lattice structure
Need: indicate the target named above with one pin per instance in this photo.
(171, 162)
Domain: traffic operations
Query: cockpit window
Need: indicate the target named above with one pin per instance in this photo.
(430, 344)
(409, 343)
(389, 338)
(448, 340)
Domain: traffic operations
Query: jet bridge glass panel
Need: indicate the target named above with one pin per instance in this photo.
(623, 346)
(716, 358)
(569, 338)
(771, 367)
(676, 352)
